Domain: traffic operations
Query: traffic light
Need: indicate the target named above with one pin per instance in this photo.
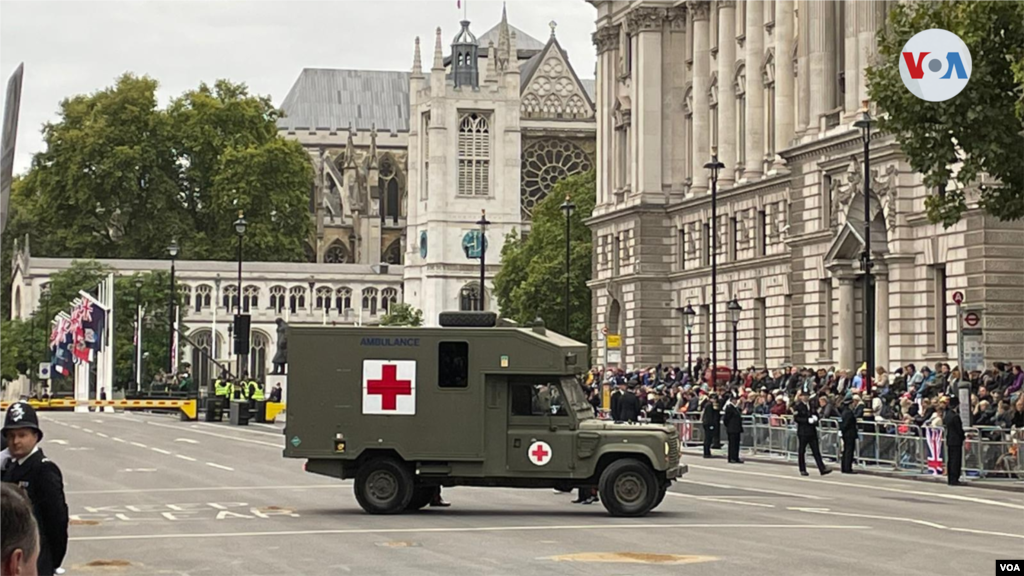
(241, 333)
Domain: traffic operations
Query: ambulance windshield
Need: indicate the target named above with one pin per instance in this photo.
(574, 396)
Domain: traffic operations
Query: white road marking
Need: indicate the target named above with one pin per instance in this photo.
(243, 431)
(86, 430)
(744, 488)
(160, 450)
(602, 527)
(215, 465)
(186, 440)
(915, 491)
(102, 435)
(139, 470)
(75, 448)
(98, 421)
(223, 437)
(117, 439)
(343, 484)
(902, 519)
(76, 426)
(183, 457)
(58, 442)
(140, 445)
(720, 500)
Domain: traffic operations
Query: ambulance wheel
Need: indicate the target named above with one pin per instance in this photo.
(661, 496)
(384, 486)
(421, 496)
(628, 487)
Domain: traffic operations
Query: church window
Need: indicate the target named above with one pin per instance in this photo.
(474, 155)
(469, 297)
(388, 297)
(393, 254)
(277, 296)
(250, 298)
(185, 293)
(296, 299)
(343, 299)
(202, 297)
(323, 297)
(370, 300)
(387, 182)
(230, 298)
(545, 162)
(337, 253)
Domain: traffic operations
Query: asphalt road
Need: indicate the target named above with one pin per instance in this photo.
(151, 495)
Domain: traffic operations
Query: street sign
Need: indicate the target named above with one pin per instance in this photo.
(958, 297)
(971, 319)
(614, 341)
(44, 370)
(10, 133)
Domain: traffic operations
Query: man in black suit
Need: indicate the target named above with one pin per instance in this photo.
(25, 464)
(629, 404)
(709, 419)
(807, 435)
(848, 428)
(733, 422)
(954, 441)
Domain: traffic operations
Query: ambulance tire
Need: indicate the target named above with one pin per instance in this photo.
(421, 496)
(661, 496)
(628, 487)
(384, 486)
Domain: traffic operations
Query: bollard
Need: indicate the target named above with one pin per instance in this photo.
(261, 411)
(214, 411)
(239, 414)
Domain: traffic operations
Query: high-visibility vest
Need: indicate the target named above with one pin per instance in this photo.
(257, 391)
(220, 388)
(238, 392)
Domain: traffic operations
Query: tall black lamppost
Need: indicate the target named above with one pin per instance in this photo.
(137, 359)
(173, 251)
(483, 222)
(241, 332)
(734, 309)
(714, 166)
(864, 123)
(567, 207)
(689, 315)
(45, 296)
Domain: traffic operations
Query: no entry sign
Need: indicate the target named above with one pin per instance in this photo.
(971, 319)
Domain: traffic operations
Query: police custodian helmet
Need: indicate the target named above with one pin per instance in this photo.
(21, 415)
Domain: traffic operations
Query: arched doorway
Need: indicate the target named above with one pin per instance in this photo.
(204, 369)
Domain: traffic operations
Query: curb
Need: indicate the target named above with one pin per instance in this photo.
(983, 484)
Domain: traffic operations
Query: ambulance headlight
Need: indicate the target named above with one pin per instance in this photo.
(668, 449)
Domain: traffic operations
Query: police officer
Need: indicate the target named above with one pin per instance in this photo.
(807, 435)
(954, 440)
(733, 422)
(25, 464)
(629, 404)
(709, 418)
(848, 428)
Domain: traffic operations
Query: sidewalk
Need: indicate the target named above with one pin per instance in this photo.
(1000, 485)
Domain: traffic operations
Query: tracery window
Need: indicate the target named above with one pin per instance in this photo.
(337, 253)
(545, 163)
(277, 298)
(474, 155)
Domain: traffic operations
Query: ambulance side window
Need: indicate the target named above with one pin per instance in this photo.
(453, 364)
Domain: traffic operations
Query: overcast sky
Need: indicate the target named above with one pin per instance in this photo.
(80, 46)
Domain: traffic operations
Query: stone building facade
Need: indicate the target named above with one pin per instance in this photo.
(774, 87)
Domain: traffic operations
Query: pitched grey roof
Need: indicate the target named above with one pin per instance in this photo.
(589, 84)
(523, 40)
(323, 98)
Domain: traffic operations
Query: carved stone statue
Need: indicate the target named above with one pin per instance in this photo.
(281, 356)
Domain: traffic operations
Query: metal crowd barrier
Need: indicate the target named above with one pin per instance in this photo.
(989, 452)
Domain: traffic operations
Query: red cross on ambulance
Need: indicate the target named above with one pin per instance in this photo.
(539, 453)
(389, 387)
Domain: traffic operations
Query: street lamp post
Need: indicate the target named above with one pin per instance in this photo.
(240, 354)
(689, 315)
(864, 123)
(137, 360)
(45, 295)
(483, 222)
(714, 166)
(173, 251)
(734, 309)
(567, 207)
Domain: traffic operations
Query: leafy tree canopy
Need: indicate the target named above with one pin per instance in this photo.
(983, 126)
(531, 282)
(402, 314)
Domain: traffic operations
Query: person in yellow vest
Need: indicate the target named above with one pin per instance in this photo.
(237, 391)
(256, 391)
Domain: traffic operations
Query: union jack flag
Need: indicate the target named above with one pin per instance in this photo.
(934, 438)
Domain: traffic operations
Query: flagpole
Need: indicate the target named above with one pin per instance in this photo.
(107, 342)
(138, 350)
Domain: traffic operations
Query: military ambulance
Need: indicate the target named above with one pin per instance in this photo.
(475, 402)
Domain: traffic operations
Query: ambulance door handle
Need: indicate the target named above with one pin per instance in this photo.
(516, 443)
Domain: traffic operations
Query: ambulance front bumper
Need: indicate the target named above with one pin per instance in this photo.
(677, 471)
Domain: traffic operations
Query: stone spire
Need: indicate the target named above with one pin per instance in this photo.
(504, 42)
(350, 149)
(438, 54)
(492, 70)
(417, 64)
(373, 146)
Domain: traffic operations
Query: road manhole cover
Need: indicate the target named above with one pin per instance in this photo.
(631, 558)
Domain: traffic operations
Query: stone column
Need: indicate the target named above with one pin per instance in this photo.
(700, 15)
(881, 318)
(752, 167)
(851, 65)
(803, 66)
(847, 326)
(647, 24)
(606, 40)
(674, 160)
(784, 79)
(822, 63)
(726, 94)
(870, 16)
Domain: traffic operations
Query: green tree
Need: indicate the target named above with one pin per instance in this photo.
(402, 314)
(983, 126)
(531, 282)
